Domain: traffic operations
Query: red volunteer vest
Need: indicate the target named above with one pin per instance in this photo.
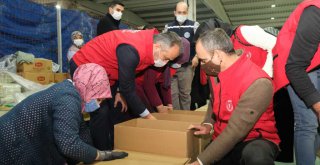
(256, 54)
(102, 50)
(234, 82)
(284, 42)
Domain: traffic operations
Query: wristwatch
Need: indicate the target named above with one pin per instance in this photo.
(211, 131)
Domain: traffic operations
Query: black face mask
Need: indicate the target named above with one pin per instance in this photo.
(211, 69)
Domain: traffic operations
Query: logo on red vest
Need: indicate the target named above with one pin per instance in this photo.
(249, 55)
(229, 105)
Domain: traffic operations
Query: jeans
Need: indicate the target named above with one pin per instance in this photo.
(306, 136)
(181, 88)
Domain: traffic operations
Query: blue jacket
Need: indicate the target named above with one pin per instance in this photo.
(45, 129)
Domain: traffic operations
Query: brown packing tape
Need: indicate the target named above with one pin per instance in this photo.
(161, 137)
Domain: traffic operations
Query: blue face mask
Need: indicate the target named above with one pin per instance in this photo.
(91, 106)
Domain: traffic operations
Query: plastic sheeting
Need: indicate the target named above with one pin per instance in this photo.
(32, 28)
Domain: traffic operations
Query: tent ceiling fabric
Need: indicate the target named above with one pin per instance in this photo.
(249, 12)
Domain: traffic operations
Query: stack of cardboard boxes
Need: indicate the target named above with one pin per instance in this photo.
(166, 136)
(40, 71)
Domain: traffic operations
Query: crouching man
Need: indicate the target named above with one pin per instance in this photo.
(244, 125)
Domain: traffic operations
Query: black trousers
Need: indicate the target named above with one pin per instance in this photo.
(254, 152)
(102, 121)
(72, 67)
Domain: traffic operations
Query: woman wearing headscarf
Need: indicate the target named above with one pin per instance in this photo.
(47, 127)
(77, 43)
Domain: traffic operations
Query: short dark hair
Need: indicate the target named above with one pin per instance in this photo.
(114, 3)
(211, 24)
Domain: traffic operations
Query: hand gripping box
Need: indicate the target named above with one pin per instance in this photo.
(162, 137)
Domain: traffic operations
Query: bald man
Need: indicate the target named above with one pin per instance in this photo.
(181, 82)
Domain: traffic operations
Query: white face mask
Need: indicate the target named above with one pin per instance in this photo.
(159, 63)
(78, 42)
(116, 15)
(181, 18)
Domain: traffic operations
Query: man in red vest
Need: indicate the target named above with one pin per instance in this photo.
(123, 54)
(244, 124)
(296, 63)
(257, 44)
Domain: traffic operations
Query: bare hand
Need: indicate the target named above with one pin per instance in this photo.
(119, 98)
(162, 109)
(170, 107)
(200, 129)
(316, 108)
(195, 62)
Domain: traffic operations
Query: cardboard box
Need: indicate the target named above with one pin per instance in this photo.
(192, 119)
(38, 65)
(140, 158)
(189, 119)
(187, 112)
(59, 77)
(41, 77)
(170, 138)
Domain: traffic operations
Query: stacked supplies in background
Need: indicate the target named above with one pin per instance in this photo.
(38, 70)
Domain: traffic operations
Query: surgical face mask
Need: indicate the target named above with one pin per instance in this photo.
(211, 69)
(181, 18)
(78, 42)
(176, 66)
(116, 15)
(91, 106)
(159, 63)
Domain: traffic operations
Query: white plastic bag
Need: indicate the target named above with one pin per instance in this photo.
(8, 63)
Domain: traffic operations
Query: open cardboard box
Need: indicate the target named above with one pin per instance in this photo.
(192, 119)
(187, 112)
(189, 119)
(170, 138)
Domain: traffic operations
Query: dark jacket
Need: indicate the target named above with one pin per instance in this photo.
(106, 24)
(45, 129)
(186, 30)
